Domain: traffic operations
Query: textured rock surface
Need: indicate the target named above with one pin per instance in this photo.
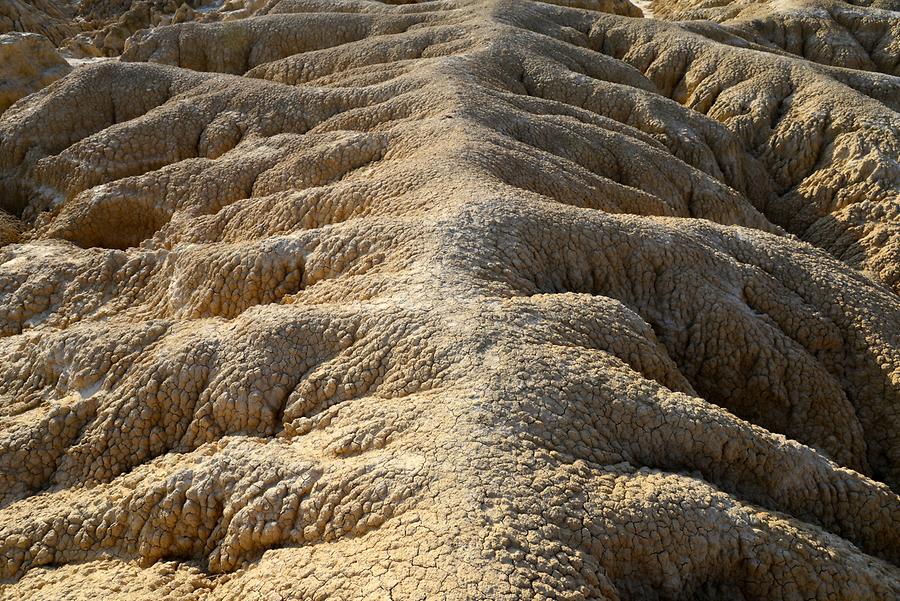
(92, 28)
(28, 62)
(462, 299)
(857, 35)
(50, 18)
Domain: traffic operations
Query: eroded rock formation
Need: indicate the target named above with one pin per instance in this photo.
(51, 18)
(95, 28)
(28, 62)
(856, 35)
(467, 299)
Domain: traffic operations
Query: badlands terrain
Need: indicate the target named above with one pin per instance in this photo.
(462, 299)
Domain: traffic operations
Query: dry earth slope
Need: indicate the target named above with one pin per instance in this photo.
(466, 299)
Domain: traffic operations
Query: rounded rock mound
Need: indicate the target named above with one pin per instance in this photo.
(28, 62)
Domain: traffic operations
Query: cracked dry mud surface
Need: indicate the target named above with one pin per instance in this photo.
(465, 299)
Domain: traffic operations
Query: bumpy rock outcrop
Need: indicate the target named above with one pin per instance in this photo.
(50, 18)
(93, 28)
(856, 35)
(28, 62)
(468, 299)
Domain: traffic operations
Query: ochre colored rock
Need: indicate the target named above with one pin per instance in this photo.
(50, 18)
(28, 62)
(859, 35)
(464, 299)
